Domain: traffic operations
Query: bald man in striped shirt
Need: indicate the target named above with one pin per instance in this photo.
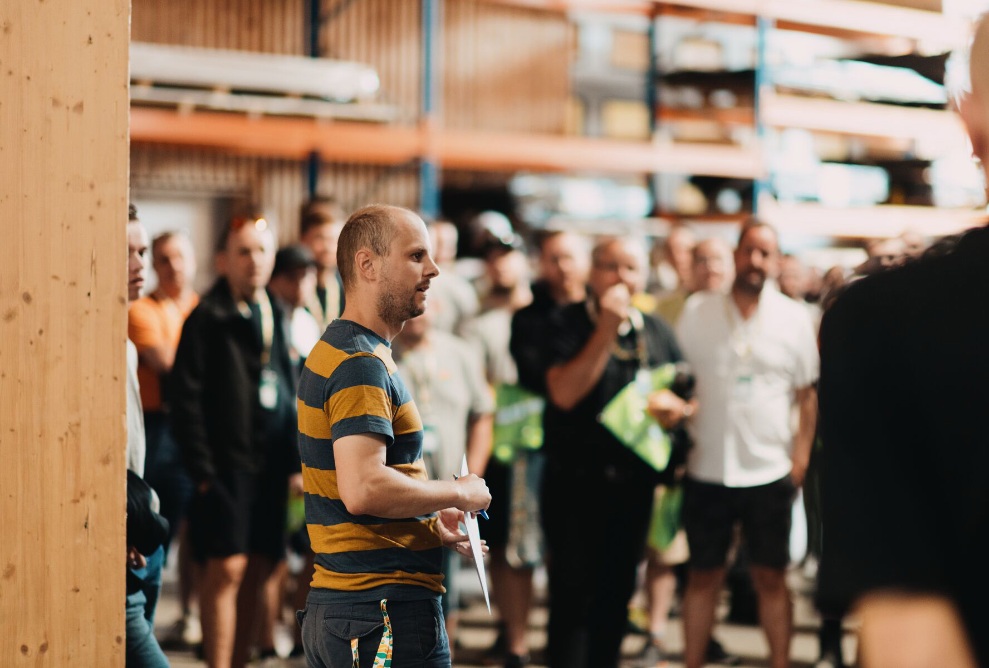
(377, 524)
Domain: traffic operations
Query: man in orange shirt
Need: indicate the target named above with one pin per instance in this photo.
(154, 325)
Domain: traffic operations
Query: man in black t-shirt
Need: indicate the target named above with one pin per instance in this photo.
(597, 494)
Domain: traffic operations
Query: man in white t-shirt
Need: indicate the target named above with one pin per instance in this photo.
(755, 358)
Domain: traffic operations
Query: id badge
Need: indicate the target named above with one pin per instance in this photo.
(743, 387)
(430, 439)
(268, 389)
(643, 382)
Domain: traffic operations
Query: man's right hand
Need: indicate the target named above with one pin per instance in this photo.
(614, 304)
(473, 492)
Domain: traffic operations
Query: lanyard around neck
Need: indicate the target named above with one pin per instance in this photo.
(267, 324)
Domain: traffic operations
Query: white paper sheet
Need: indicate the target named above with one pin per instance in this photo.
(474, 536)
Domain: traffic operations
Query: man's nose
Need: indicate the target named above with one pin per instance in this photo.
(432, 269)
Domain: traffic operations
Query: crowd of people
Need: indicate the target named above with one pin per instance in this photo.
(620, 407)
(512, 370)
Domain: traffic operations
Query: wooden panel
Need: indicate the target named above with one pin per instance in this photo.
(276, 187)
(874, 222)
(938, 132)
(506, 68)
(630, 50)
(357, 185)
(248, 25)
(384, 34)
(839, 16)
(63, 163)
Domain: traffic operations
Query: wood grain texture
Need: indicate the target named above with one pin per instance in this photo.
(63, 203)
(275, 186)
(249, 25)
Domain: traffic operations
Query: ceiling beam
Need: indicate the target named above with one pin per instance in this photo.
(361, 143)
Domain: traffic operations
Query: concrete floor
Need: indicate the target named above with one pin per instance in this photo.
(477, 631)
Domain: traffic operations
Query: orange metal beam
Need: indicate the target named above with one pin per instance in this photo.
(361, 143)
(277, 137)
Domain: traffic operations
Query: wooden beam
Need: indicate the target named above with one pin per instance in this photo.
(843, 16)
(456, 149)
(874, 222)
(63, 300)
(863, 118)
(639, 7)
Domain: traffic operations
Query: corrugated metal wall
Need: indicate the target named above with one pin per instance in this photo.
(504, 68)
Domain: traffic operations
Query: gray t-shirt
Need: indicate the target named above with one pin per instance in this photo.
(446, 381)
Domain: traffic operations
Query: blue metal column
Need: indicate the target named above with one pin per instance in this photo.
(313, 22)
(429, 189)
(762, 81)
(652, 99)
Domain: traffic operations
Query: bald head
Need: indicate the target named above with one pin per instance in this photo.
(371, 228)
(617, 260)
(974, 106)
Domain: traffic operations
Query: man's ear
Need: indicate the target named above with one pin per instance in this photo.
(971, 112)
(367, 265)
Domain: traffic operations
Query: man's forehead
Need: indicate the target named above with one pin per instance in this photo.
(761, 236)
(249, 236)
(136, 234)
(622, 250)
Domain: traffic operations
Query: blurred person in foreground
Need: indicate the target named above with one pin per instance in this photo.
(377, 523)
(903, 395)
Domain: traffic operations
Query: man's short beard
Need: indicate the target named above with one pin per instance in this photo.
(745, 286)
(394, 310)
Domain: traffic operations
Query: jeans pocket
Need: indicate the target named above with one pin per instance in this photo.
(433, 642)
(347, 629)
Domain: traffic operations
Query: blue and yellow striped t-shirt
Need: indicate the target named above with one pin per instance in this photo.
(350, 385)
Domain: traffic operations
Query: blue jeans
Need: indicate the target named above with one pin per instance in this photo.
(166, 473)
(150, 587)
(418, 633)
(143, 650)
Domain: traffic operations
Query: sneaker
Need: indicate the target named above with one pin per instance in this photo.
(652, 656)
(716, 653)
(830, 659)
(184, 633)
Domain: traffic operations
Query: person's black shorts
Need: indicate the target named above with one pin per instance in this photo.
(240, 513)
(497, 476)
(711, 511)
